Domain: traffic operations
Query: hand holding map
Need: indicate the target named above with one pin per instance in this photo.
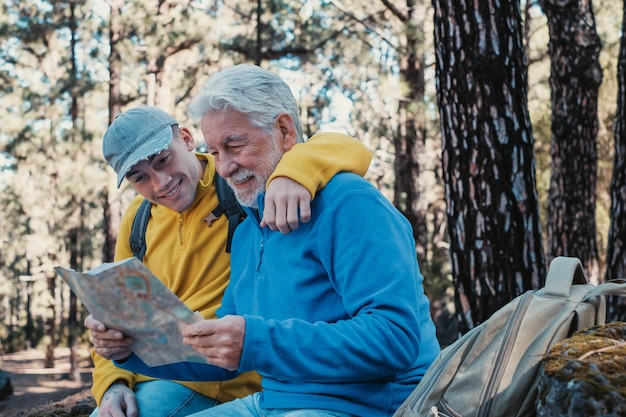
(126, 296)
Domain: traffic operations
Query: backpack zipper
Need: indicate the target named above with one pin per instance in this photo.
(504, 354)
(433, 379)
(436, 413)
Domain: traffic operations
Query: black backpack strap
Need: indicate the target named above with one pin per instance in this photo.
(228, 205)
(138, 230)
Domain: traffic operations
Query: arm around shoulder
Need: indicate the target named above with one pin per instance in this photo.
(316, 161)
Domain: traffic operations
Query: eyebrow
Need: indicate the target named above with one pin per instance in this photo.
(230, 138)
(134, 171)
(235, 137)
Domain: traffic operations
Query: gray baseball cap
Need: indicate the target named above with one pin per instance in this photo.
(136, 135)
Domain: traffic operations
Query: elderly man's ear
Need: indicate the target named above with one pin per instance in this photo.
(287, 128)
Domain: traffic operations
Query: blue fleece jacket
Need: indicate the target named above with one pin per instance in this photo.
(336, 316)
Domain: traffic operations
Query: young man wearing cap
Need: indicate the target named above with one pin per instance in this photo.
(147, 147)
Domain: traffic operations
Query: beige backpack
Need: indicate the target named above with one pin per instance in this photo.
(492, 371)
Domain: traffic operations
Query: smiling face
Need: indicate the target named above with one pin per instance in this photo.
(171, 177)
(246, 155)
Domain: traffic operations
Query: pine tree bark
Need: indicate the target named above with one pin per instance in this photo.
(76, 233)
(410, 135)
(488, 156)
(574, 81)
(616, 250)
(111, 210)
(51, 321)
(74, 327)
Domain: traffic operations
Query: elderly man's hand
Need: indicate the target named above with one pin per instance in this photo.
(108, 343)
(286, 203)
(221, 340)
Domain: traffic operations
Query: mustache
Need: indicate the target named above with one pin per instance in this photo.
(241, 175)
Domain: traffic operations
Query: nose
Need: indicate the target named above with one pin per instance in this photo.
(226, 165)
(160, 180)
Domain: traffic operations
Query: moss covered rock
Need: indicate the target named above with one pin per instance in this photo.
(585, 375)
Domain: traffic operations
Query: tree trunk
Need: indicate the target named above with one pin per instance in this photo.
(488, 156)
(410, 136)
(110, 198)
(116, 34)
(72, 321)
(259, 33)
(75, 234)
(51, 321)
(616, 250)
(574, 81)
(29, 329)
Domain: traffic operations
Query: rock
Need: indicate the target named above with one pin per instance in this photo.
(585, 374)
(83, 407)
(6, 388)
(77, 405)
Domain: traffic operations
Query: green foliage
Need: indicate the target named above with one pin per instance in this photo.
(15, 341)
(344, 61)
(437, 281)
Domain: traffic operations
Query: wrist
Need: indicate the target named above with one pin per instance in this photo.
(120, 382)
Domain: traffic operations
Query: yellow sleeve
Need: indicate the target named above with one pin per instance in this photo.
(105, 372)
(316, 161)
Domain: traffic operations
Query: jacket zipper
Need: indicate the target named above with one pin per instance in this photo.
(261, 248)
(180, 230)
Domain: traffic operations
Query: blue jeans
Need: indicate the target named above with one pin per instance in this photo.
(249, 407)
(162, 398)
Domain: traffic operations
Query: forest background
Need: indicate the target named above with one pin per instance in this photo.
(495, 127)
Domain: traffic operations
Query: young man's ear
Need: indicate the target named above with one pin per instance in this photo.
(287, 129)
(186, 136)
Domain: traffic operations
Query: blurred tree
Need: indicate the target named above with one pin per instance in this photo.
(74, 235)
(488, 156)
(158, 51)
(386, 51)
(110, 197)
(409, 136)
(47, 61)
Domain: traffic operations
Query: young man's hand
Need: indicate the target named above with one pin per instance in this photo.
(118, 401)
(108, 343)
(286, 203)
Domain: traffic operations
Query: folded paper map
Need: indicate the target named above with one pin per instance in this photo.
(126, 296)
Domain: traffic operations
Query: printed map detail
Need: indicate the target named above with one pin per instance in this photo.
(126, 296)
